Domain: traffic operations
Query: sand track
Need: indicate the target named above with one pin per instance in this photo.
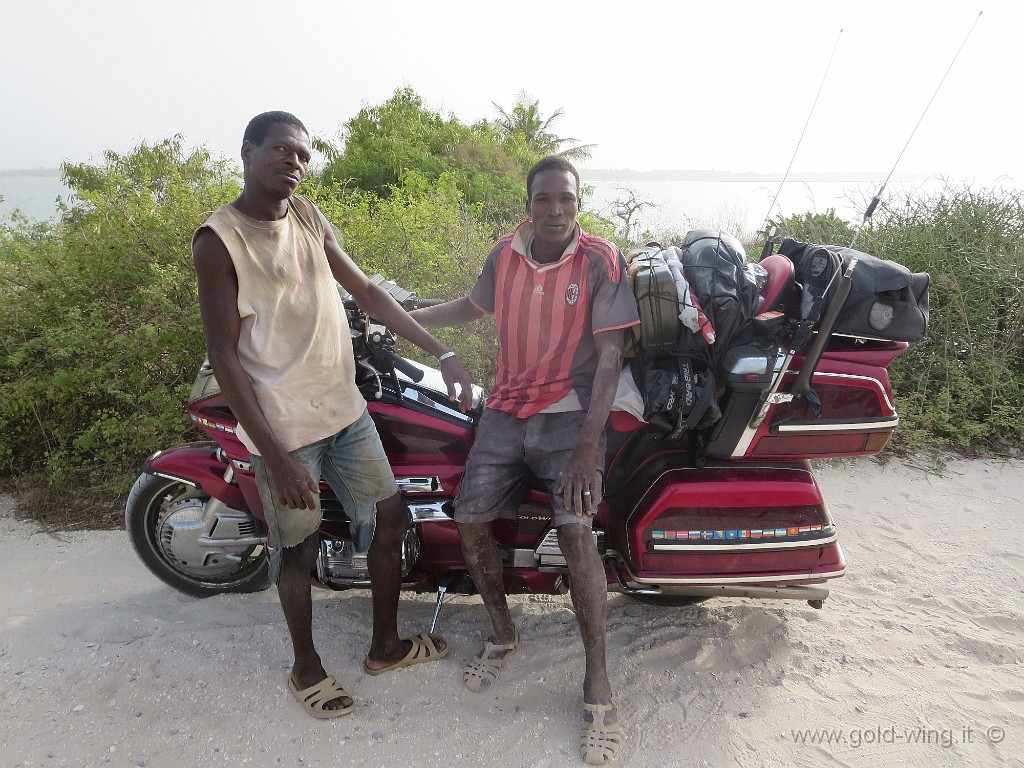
(916, 659)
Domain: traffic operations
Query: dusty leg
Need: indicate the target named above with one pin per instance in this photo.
(484, 563)
(297, 604)
(384, 561)
(589, 599)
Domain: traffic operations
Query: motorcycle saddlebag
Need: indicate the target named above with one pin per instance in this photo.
(887, 301)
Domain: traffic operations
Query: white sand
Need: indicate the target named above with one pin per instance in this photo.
(915, 660)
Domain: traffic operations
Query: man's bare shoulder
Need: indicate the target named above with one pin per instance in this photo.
(213, 263)
(207, 244)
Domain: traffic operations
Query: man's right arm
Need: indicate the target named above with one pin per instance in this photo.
(218, 303)
(457, 312)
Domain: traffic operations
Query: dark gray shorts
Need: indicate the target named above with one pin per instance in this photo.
(507, 450)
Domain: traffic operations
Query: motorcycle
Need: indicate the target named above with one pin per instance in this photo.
(729, 510)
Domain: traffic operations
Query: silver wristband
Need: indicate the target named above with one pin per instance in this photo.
(445, 356)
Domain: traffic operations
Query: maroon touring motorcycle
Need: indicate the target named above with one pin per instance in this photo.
(729, 508)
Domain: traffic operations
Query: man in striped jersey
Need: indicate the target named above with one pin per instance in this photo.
(561, 303)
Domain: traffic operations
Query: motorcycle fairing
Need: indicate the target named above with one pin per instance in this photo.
(197, 464)
(856, 414)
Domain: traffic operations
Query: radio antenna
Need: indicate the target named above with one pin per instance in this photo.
(878, 195)
(764, 225)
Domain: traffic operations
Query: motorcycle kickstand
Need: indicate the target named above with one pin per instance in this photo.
(441, 590)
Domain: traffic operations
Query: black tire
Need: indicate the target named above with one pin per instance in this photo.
(150, 498)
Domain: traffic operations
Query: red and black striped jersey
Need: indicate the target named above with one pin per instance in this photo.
(547, 315)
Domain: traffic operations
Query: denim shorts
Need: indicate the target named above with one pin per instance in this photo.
(507, 450)
(354, 464)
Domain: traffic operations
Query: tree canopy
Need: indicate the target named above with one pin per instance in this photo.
(525, 124)
(381, 145)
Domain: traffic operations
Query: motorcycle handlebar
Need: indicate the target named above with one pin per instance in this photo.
(401, 364)
(421, 303)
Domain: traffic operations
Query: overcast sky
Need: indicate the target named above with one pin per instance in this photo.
(674, 84)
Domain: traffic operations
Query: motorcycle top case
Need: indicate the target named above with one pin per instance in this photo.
(887, 301)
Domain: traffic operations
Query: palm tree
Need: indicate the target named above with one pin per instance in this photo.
(527, 123)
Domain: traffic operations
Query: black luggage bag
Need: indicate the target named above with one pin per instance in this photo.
(887, 301)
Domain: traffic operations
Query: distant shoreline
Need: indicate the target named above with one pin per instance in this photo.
(36, 173)
(624, 174)
(610, 174)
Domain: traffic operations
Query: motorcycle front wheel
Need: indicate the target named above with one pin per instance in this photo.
(159, 509)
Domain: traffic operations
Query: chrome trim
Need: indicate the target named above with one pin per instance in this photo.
(430, 512)
(549, 553)
(338, 563)
(520, 558)
(733, 547)
(748, 433)
(549, 544)
(743, 579)
(772, 396)
(745, 366)
(837, 426)
(248, 541)
(242, 466)
(793, 592)
(434, 382)
(165, 476)
(418, 484)
(627, 582)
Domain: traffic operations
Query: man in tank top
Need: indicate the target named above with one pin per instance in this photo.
(278, 341)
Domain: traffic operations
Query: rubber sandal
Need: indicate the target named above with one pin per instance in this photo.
(481, 673)
(423, 650)
(599, 743)
(315, 698)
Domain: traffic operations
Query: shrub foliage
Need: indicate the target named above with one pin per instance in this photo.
(963, 385)
(100, 334)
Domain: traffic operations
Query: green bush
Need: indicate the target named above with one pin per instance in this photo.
(424, 237)
(384, 144)
(963, 385)
(100, 334)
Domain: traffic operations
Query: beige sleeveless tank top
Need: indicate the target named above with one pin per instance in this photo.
(294, 343)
